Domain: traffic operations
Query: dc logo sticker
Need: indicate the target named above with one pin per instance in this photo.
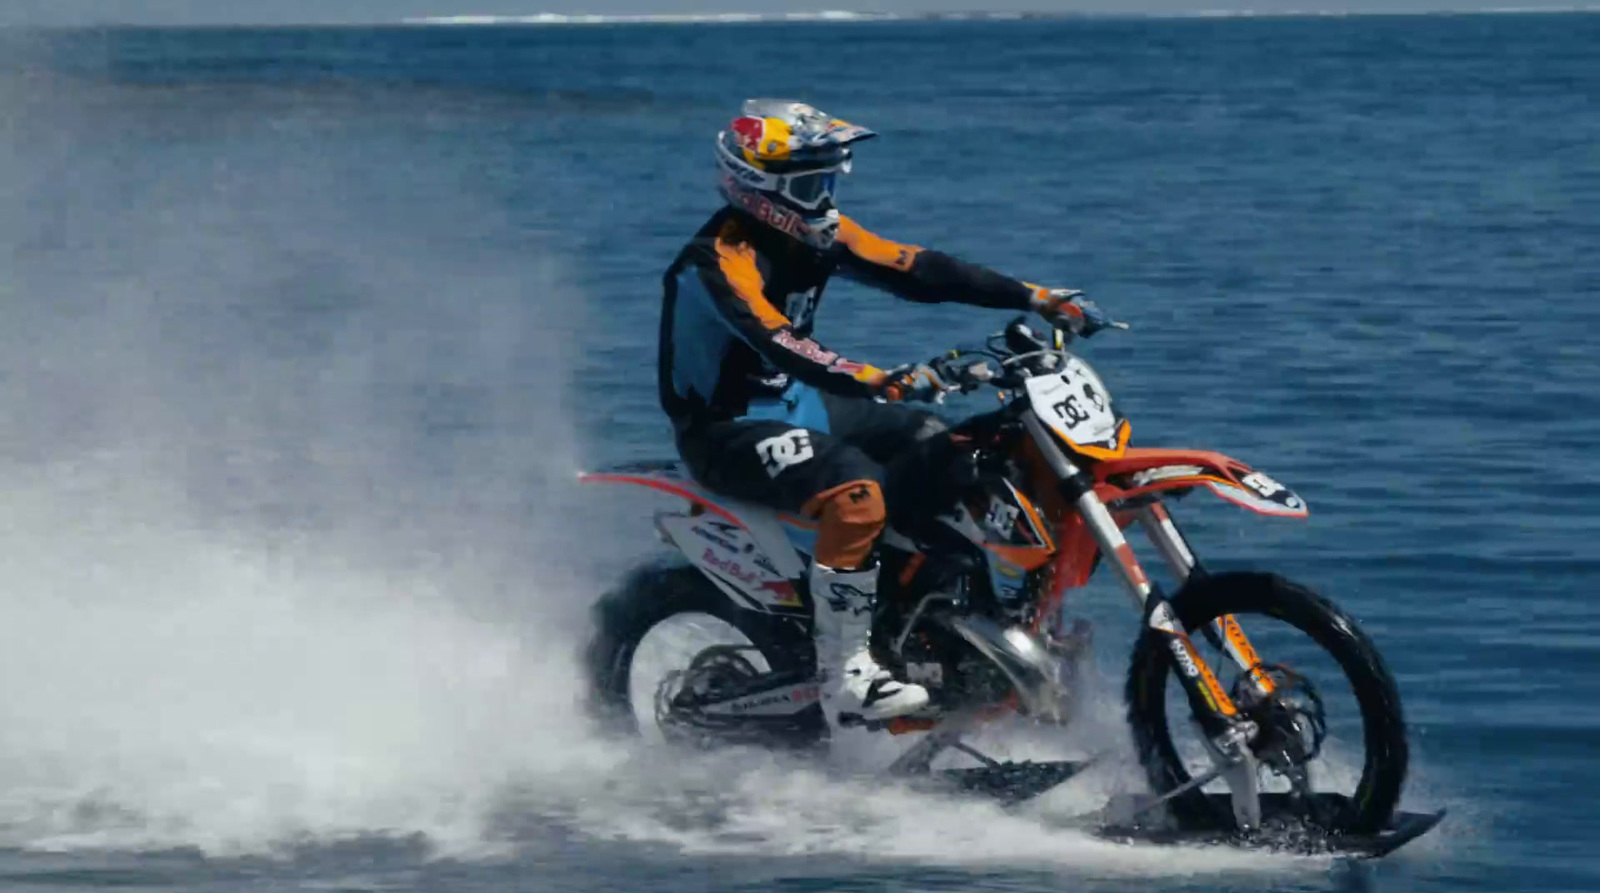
(789, 448)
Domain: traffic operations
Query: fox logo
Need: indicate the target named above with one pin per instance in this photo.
(844, 597)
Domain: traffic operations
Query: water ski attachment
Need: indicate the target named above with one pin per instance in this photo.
(1006, 782)
(1143, 819)
(1283, 826)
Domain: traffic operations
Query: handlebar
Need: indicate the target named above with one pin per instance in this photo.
(1018, 350)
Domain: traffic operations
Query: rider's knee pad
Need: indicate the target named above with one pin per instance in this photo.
(851, 515)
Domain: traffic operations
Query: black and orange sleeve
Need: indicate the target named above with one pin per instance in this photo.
(729, 272)
(928, 277)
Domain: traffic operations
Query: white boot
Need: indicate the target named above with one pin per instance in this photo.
(854, 687)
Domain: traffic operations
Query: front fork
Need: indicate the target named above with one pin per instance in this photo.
(1224, 632)
(1228, 734)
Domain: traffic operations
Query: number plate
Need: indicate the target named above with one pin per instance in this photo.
(1075, 404)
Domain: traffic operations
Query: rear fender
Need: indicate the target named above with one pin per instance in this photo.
(741, 547)
(1141, 471)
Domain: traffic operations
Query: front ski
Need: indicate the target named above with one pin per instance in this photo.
(1283, 829)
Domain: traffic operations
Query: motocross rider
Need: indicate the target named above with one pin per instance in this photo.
(764, 413)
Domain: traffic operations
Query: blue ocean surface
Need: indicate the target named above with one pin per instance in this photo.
(305, 332)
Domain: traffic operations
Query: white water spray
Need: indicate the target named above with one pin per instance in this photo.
(281, 555)
(268, 570)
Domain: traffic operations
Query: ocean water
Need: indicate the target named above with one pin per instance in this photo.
(305, 332)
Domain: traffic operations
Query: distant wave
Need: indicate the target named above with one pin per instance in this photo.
(1354, 13)
(553, 18)
(836, 15)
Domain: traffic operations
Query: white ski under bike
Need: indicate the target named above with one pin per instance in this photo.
(970, 607)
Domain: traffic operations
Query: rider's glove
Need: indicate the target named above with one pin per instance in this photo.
(912, 382)
(1067, 308)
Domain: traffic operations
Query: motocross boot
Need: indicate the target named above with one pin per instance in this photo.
(854, 687)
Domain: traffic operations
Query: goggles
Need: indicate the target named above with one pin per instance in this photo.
(810, 189)
(806, 185)
(807, 189)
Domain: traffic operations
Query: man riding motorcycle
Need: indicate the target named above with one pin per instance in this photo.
(764, 413)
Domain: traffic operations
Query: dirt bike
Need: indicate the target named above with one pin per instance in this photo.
(971, 607)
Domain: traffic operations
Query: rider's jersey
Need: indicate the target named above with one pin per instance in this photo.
(741, 297)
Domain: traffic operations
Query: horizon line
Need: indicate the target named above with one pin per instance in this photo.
(845, 16)
(830, 16)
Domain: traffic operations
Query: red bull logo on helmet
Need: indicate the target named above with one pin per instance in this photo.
(762, 139)
(748, 132)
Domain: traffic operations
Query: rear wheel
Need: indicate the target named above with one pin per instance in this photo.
(664, 623)
(1337, 646)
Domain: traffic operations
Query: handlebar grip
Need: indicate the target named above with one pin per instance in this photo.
(965, 376)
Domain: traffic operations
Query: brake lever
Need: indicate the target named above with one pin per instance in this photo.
(964, 378)
(1063, 337)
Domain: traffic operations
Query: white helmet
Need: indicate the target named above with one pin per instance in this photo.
(780, 162)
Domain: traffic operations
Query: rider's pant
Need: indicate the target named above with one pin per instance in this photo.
(819, 456)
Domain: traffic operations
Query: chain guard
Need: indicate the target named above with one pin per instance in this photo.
(716, 675)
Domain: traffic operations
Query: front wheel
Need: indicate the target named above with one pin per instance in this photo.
(1301, 614)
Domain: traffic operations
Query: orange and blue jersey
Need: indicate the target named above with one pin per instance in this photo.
(739, 304)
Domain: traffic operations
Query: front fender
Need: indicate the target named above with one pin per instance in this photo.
(1141, 471)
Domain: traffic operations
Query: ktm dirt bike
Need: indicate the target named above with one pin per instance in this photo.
(970, 607)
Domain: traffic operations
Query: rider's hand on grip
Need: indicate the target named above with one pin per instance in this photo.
(917, 381)
(1067, 308)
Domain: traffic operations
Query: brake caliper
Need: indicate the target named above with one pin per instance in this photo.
(1292, 721)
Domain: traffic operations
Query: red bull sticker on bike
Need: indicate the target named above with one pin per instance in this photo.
(729, 556)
